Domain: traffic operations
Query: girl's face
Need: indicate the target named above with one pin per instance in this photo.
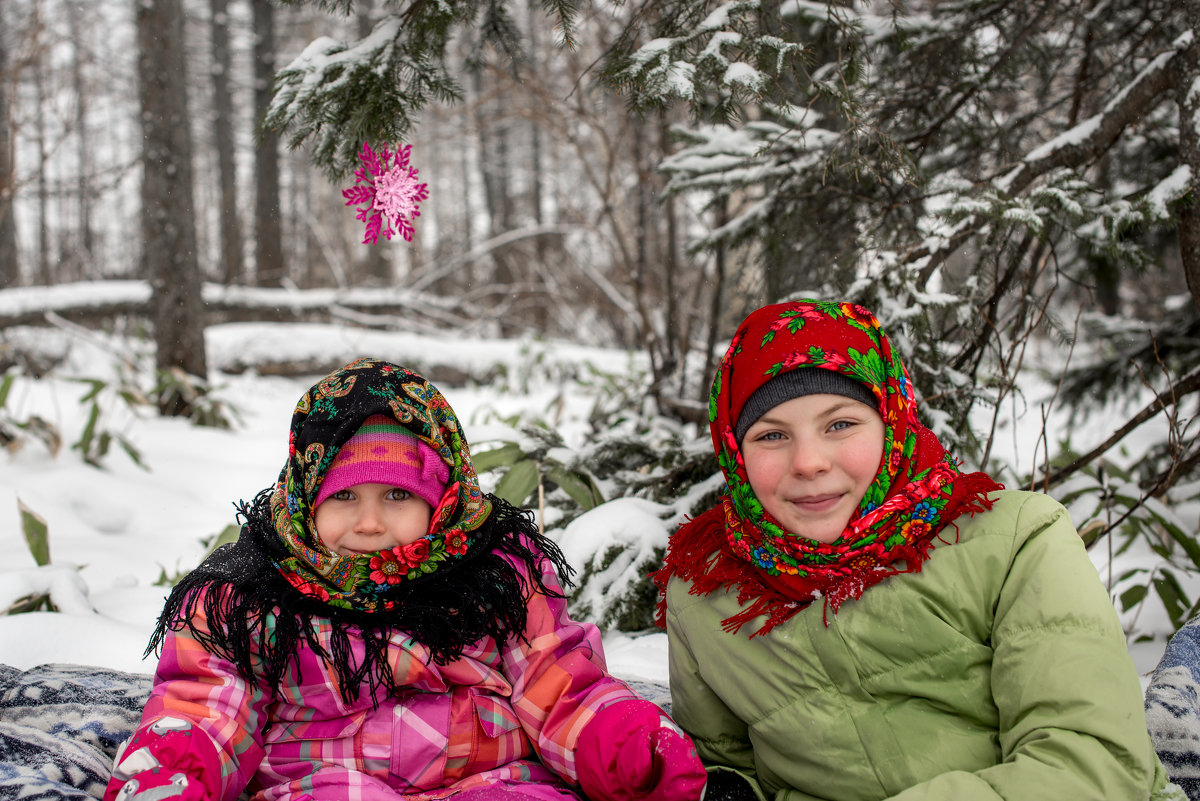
(811, 459)
(367, 518)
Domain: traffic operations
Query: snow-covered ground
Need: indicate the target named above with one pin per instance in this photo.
(118, 531)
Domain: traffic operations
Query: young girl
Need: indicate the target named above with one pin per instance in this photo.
(384, 630)
(858, 619)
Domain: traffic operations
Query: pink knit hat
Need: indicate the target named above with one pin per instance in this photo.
(384, 452)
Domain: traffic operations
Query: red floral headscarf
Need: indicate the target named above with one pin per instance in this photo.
(916, 492)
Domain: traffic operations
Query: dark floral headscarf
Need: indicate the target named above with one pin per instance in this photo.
(918, 488)
(325, 418)
(255, 601)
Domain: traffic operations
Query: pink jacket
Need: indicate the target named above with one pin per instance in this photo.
(492, 716)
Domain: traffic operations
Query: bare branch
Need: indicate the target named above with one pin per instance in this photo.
(1170, 397)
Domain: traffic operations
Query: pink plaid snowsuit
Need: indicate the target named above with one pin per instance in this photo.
(492, 717)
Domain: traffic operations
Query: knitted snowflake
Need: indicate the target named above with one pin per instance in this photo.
(390, 193)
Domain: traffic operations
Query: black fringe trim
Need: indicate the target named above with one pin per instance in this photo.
(239, 592)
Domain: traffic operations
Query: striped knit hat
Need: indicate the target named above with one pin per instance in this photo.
(384, 452)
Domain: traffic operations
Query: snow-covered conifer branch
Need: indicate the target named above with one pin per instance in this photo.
(1072, 150)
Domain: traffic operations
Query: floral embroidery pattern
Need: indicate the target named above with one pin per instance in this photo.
(456, 543)
(868, 360)
(393, 565)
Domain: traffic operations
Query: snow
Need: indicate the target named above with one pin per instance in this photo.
(117, 532)
(1168, 190)
(22, 300)
(634, 524)
(325, 55)
(1086, 130)
(741, 73)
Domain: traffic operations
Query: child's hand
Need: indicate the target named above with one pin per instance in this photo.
(167, 759)
(632, 751)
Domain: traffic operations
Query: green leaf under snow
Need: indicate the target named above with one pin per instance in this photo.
(1132, 597)
(519, 482)
(579, 486)
(506, 454)
(37, 534)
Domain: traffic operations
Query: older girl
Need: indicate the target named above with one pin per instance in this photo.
(859, 619)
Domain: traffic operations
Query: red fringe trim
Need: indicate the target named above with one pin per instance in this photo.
(699, 553)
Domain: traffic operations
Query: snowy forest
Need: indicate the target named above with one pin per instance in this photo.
(1008, 184)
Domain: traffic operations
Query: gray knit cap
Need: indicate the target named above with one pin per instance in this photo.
(794, 384)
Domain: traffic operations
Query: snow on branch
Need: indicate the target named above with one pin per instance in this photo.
(335, 96)
(1071, 150)
(325, 66)
(721, 51)
(1092, 137)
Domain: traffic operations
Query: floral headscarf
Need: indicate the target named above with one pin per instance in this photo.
(255, 601)
(327, 416)
(916, 492)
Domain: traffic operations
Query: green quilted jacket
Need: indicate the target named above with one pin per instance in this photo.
(997, 672)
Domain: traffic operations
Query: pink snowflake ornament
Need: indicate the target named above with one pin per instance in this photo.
(389, 193)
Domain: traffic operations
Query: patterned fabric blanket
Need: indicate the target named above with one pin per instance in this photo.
(1173, 709)
(60, 725)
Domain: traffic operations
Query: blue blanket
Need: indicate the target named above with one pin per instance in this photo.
(60, 726)
(1173, 709)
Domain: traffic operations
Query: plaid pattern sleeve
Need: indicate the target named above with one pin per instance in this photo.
(559, 678)
(201, 719)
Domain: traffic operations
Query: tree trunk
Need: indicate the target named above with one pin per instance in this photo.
(540, 254)
(468, 227)
(9, 271)
(168, 221)
(716, 302)
(674, 331)
(86, 241)
(1189, 153)
(494, 167)
(229, 219)
(643, 220)
(44, 275)
(268, 236)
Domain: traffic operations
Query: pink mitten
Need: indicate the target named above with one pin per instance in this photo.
(632, 751)
(167, 759)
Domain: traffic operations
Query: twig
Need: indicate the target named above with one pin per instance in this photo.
(1161, 401)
